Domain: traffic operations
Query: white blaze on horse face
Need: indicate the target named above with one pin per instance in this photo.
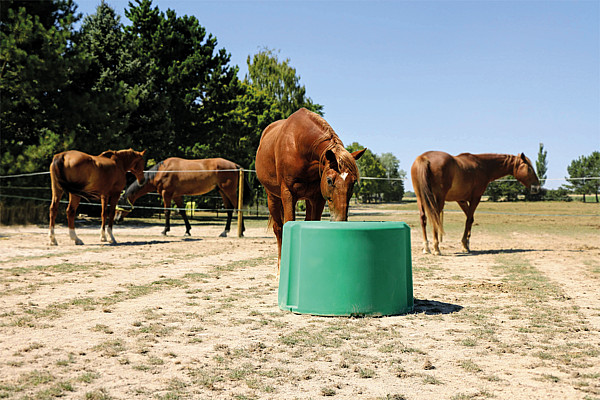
(344, 175)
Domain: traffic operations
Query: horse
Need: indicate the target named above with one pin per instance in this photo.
(174, 177)
(301, 157)
(439, 177)
(93, 177)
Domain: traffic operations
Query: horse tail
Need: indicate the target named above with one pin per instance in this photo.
(422, 179)
(57, 171)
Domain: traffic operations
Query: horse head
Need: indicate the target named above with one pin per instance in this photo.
(340, 173)
(137, 165)
(524, 173)
(124, 207)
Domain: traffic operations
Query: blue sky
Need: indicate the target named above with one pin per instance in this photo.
(410, 76)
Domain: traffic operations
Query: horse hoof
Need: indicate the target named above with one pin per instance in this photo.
(187, 234)
(224, 234)
(78, 242)
(164, 233)
(54, 243)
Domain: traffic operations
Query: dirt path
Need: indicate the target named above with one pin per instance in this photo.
(193, 318)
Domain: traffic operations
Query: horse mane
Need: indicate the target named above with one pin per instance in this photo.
(107, 153)
(343, 156)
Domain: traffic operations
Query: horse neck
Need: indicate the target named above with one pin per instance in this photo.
(498, 165)
(135, 190)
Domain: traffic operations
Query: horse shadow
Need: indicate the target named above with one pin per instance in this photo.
(146, 242)
(499, 251)
(432, 307)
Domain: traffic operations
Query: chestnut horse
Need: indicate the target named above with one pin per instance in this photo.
(439, 177)
(94, 177)
(301, 157)
(176, 177)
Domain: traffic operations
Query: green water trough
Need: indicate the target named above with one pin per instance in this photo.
(346, 268)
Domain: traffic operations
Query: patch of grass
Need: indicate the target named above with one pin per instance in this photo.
(98, 394)
(365, 373)
(110, 348)
(69, 360)
(327, 391)
(306, 338)
(88, 377)
(431, 380)
(469, 366)
(102, 328)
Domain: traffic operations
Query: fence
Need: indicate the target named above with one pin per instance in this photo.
(157, 207)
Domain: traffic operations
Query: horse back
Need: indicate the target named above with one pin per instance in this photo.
(83, 174)
(195, 177)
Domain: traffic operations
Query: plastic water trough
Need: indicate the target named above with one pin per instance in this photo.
(346, 268)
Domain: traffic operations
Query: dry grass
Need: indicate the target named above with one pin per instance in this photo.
(167, 318)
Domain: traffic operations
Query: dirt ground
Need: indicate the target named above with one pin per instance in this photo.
(197, 318)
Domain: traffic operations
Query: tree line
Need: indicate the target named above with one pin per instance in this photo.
(160, 83)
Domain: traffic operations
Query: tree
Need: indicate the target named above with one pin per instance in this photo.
(369, 166)
(584, 173)
(541, 165)
(37, 63)
(279, 80)
(108, 99)
(187, 86)
(393, 188)
(507, 188)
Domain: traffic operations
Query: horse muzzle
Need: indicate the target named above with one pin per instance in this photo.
(535, 189)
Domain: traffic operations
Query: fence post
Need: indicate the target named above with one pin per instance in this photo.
(240, 203)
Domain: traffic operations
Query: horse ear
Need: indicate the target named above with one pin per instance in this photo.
(330, 156)
(143, 152)
(358, 154)
(523, 157)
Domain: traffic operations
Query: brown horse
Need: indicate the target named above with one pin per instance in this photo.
(95, 177)
(301, 157)
(176, 177)
(439, 177)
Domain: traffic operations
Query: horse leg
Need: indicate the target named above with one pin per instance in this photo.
(464, 205)
(470, 213)
(56, 195)
(423, 219)
(275, 209)
(314, 209)
(437, 231)
(179, 203)
(112, 203)
(103, 202)
(71, 210)
(167, 202)
(228, 204)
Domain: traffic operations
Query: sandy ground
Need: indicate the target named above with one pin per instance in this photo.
(174, 317)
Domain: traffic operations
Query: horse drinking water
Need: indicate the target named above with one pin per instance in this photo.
(176, 177)
(301, 157)
(439, 177)
(94, 177)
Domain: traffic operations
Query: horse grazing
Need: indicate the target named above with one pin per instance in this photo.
(301, 157)
(439, 177)
(175, 177)
(93, 177)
